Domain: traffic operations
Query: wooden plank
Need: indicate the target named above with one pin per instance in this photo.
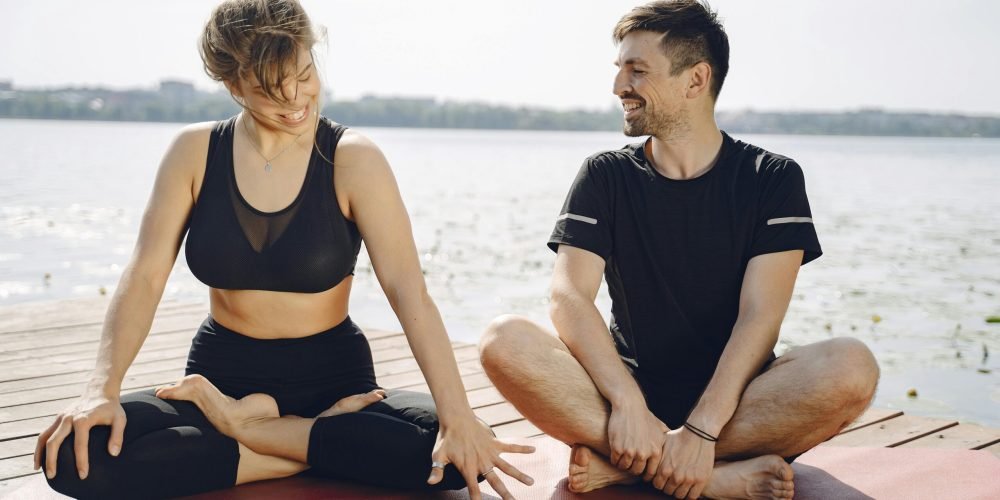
(12, 417)
(59, 320)
(33, 410)
(518, 429)
(499, 414)
(471, 382)
(893, 432)
(69, 384)
(872, 416)
(8, 486)
(463, 353)
(75, 334)
(19, 429)
(416, 378)
(16, 467)
(132, 382)
(97, 316)
(57, 313)
(484, 397)
(961, 436)
(177, 355)
(17, 447)
(82, 334)
(88, 348)
(79, 377)
(10, 359)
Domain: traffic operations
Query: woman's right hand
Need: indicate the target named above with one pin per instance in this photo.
(88, 411)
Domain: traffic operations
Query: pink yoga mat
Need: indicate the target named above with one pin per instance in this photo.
(907, 473)
(827, 472)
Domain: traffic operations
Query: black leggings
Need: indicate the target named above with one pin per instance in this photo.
(171, 449)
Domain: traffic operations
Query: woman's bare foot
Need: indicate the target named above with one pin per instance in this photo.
(228, 415)
(589, 471)
(763, 477)
(353, 403)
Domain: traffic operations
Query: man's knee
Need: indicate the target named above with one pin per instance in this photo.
(505, 338)
(853, 370)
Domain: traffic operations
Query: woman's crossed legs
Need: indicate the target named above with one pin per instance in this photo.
(193, 438)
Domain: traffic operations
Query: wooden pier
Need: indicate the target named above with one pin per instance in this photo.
(47, 352)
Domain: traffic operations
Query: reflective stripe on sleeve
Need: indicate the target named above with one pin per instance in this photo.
(581, 218)
(789, 220)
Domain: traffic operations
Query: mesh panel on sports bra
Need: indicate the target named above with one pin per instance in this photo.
(263, 229)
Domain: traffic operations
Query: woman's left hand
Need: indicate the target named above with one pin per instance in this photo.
(471, 447)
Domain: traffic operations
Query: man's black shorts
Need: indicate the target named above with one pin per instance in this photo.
(672, 403)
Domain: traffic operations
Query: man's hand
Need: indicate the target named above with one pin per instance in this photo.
(686, 466)
(636, 437)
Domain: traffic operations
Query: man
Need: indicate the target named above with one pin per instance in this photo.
(700, 238)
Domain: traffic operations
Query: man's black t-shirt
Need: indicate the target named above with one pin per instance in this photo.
(676, 252)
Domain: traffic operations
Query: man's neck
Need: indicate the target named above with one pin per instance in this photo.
(689, 155)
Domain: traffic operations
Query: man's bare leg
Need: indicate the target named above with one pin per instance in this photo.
(271, 446)
(794, 408)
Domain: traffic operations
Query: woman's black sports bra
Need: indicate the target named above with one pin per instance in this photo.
(307, 247)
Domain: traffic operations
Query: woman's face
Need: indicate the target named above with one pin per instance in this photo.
(301, 90)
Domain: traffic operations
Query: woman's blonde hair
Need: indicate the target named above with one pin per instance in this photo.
(256, 37)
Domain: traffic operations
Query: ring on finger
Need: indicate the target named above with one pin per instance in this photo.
(438, 465)
(491, 471)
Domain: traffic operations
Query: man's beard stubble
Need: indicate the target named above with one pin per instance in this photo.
(660, 125)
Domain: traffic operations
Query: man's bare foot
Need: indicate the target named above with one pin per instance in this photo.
(763, 477)
(589, 471)
(228, 415)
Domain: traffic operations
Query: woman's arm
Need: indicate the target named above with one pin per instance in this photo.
(133, 304)
(364, 177)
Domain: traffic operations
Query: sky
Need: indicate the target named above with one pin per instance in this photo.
(802, 55)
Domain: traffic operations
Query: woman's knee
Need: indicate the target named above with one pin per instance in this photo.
(415, 407)
(362, 446)
(99, 482)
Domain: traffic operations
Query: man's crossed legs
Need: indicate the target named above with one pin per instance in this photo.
(803, 398)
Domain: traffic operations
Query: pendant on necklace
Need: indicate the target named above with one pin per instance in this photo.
(267, 167)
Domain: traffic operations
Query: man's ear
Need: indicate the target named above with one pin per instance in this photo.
(699, 80)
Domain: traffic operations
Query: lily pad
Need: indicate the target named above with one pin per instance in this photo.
(993, 319)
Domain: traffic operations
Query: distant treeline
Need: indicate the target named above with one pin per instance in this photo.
(180, 102)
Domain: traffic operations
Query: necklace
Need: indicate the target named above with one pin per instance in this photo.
(267, 162)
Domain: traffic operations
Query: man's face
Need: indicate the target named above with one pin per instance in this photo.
(651, 99)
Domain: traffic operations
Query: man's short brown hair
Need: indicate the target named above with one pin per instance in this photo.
(692, 34)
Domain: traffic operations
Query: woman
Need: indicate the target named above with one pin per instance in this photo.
(275, 203)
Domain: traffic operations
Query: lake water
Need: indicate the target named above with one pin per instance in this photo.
(910, 228)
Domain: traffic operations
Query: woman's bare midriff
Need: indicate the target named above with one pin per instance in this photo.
(276, 315)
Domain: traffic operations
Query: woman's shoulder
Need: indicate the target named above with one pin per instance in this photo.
(194, 135)
(355, 151)
(189, 147)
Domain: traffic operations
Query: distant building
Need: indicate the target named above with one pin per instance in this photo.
(421, 101)
(6, 85)
(177, 89)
